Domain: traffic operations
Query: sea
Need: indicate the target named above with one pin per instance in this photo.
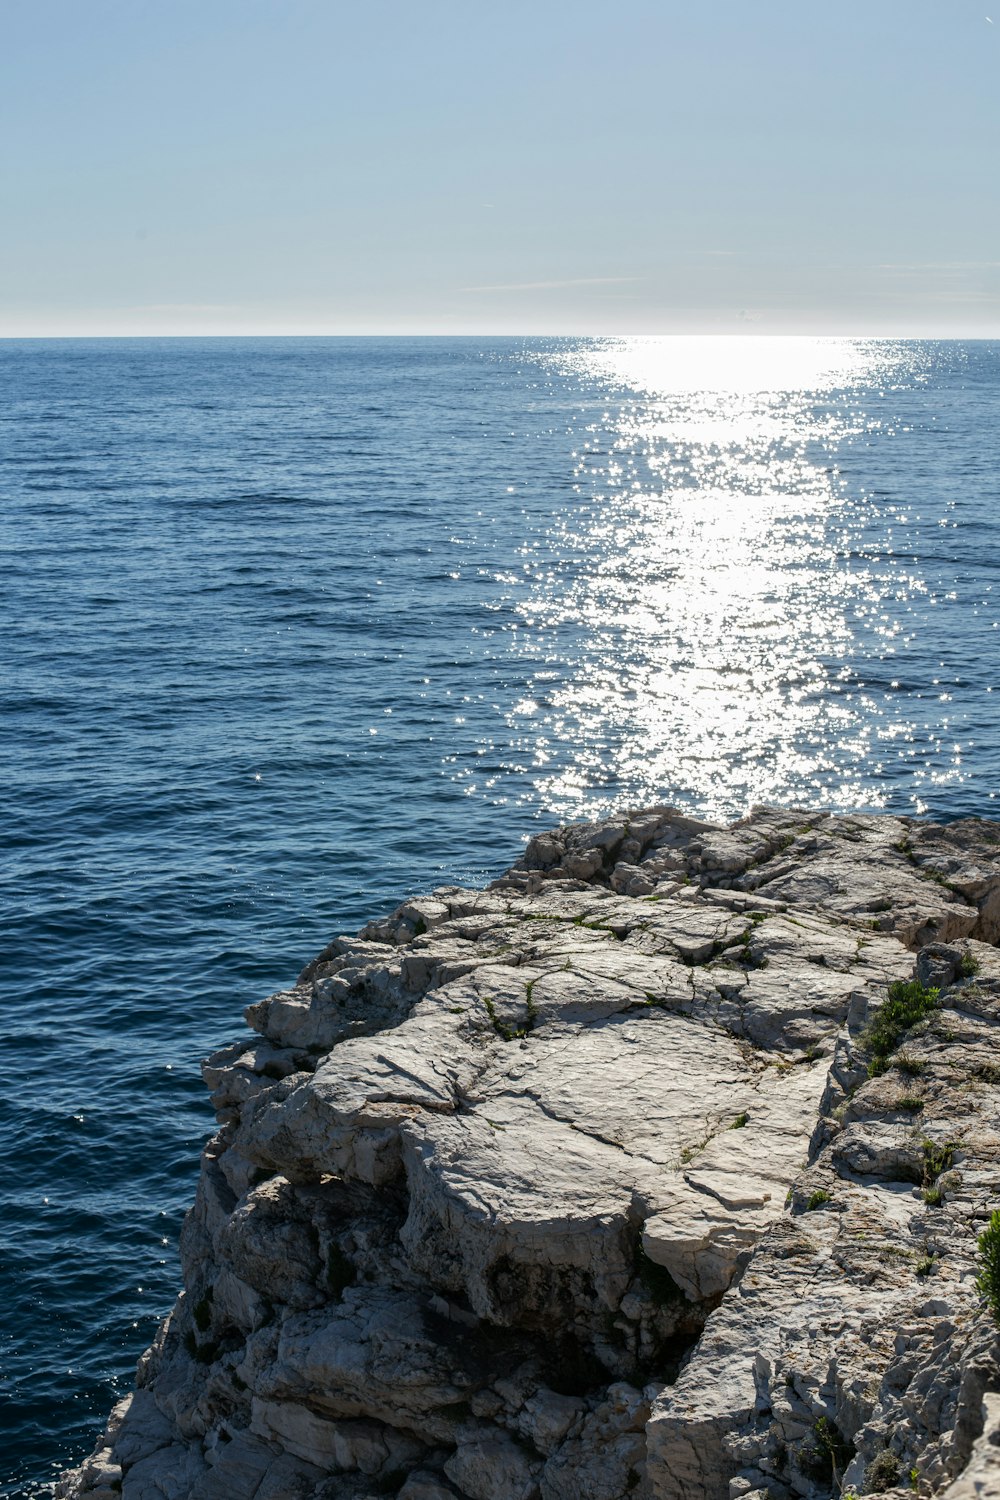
(294, 628)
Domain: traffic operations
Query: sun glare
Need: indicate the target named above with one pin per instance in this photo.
(715, 601)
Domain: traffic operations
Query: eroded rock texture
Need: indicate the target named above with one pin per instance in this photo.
(579, 1188)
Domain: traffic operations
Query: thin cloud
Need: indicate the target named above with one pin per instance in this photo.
(547, 286)
(939, 265)
(184, 307)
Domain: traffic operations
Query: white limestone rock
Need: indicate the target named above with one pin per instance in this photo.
(578, 1188)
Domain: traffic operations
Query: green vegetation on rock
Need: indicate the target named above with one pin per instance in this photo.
(908, 1002)
(988, 1280)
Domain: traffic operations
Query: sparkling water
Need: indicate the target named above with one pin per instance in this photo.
(293, 628)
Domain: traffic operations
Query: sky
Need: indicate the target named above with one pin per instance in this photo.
(527, 166)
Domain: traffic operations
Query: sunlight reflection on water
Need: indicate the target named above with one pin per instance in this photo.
(714, 587)
(294, 628)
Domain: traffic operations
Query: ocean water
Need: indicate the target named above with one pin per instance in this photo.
(293, 628)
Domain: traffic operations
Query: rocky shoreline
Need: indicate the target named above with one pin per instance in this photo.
(657, 1169)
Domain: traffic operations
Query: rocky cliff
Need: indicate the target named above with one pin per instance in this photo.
(657, 1169)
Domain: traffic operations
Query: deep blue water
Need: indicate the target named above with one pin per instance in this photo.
(292, 628)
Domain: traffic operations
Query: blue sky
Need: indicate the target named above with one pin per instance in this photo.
(388, 166)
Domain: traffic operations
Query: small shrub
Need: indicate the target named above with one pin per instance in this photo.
(827, 1453)
(910, 1103)
(969, 964)
(817, 1199)
(740, 1121)
(937, 1159)
(908, 1002)
(932, 1196)
(988, 1280)
(925, 1265)
(883, 1471)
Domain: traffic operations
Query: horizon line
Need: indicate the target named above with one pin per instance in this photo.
(714, 333)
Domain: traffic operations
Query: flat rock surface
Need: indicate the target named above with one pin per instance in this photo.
(596, 1184)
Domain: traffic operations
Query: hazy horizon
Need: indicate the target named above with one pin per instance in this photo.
(805, 335)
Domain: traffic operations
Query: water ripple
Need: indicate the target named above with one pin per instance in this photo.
(295, 627)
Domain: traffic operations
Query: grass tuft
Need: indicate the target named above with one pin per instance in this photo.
(817, 1199)
(908, 1064)
(513, 1033)
(908, 1002)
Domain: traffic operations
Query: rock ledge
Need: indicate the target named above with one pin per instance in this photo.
(587, 1186)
